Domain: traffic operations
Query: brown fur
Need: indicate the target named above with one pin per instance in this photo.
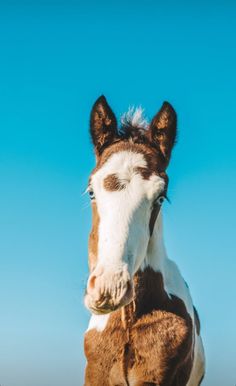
(154, 347)
(103, 125)
(163, 130)
(113, 183)
(93, 238)
(159, 137)
(155, 164)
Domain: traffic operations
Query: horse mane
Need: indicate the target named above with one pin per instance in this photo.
(134, 125)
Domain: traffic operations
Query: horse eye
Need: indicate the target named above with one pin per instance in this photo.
(91, 195)
(160, 200)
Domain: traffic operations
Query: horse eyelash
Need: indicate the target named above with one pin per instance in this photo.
(86, 190)
(167, 198)
(164, 194)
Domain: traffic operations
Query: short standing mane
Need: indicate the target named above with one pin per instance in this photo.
(134, 125)
(135, 117)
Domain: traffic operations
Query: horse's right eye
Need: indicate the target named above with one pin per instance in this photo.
(91, 195)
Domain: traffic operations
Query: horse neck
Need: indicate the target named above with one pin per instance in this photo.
(149, 280)
(156, 253)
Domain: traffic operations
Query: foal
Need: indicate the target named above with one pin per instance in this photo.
(144, 329)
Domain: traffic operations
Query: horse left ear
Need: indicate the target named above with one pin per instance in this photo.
(162, 131)
(103, 125)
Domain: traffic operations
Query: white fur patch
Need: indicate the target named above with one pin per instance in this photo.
(157, 259)
(174, 284)
(198, 368)
(135, 117)
(98, 322)
(125, 214)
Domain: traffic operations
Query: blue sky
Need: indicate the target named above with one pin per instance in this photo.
(57, 57)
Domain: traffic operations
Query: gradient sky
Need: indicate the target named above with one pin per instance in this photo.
(57, 57)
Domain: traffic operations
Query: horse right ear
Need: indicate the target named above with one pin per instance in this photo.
(103, 125)
(162, 131)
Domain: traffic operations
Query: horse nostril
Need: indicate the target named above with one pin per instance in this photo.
(91, 282)
(129, 289)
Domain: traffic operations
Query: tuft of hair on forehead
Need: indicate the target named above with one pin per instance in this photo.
(134, 125)
(134, 118)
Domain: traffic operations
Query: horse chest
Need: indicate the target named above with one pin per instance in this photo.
(143, 354)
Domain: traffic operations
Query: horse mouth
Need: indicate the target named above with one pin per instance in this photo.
(103, 311)
(107, 304)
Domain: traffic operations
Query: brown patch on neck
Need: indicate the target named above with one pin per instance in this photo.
(112, 183)
(93, 238)
(150, 295)
(153, 346)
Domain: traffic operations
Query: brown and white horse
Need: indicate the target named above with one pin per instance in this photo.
(144, 329)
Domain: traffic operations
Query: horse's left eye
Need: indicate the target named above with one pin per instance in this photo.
(91, 195)
(160, 200)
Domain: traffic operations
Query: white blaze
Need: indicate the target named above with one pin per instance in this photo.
(124, 214)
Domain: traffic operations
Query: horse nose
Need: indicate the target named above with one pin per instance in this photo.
(108, 290)
(91, 283)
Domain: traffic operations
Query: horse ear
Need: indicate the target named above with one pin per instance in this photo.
(103, 125)
(163, 130)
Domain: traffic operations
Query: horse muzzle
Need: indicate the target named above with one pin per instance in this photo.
(108, 290)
